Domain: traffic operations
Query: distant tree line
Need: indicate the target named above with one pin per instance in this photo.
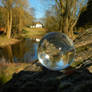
(14, 15)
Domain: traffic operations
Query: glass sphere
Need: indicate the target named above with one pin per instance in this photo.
(56, 51)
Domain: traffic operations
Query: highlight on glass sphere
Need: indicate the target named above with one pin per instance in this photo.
(56, 51)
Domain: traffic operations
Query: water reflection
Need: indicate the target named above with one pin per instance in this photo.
(25, 51)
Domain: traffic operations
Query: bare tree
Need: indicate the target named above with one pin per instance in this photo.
(8, 4)
(21, 6)
(14, 5)
(51, 19)
(69, 13)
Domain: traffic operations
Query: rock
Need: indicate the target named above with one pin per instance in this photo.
(44, 80)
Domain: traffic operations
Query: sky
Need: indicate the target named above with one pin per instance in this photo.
(40, 7)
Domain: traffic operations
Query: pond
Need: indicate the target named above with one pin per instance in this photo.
(24, 51)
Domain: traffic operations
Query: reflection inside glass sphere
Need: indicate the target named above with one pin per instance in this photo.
(56, 51)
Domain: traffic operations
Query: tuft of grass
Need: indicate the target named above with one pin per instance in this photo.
(7, 70)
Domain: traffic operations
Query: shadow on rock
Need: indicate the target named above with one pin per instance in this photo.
(43, 80)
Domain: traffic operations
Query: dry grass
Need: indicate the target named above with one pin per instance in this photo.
(33, 32)
(7, 70)
(4, 41)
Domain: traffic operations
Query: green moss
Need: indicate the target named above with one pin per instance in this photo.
(4, 77)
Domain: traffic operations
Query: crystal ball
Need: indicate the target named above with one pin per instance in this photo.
(56, 51)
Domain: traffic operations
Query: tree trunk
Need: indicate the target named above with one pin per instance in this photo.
(20, 24)
(10, 54)
(9, 23)
(71, 33)
(20, 21)
(65, 26)
(65, 19)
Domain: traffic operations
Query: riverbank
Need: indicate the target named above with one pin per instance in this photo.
(33, 33)
(5, 42)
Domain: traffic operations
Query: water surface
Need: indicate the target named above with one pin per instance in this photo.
(24, 51)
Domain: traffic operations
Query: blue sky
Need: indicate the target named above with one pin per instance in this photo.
(40, 6)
